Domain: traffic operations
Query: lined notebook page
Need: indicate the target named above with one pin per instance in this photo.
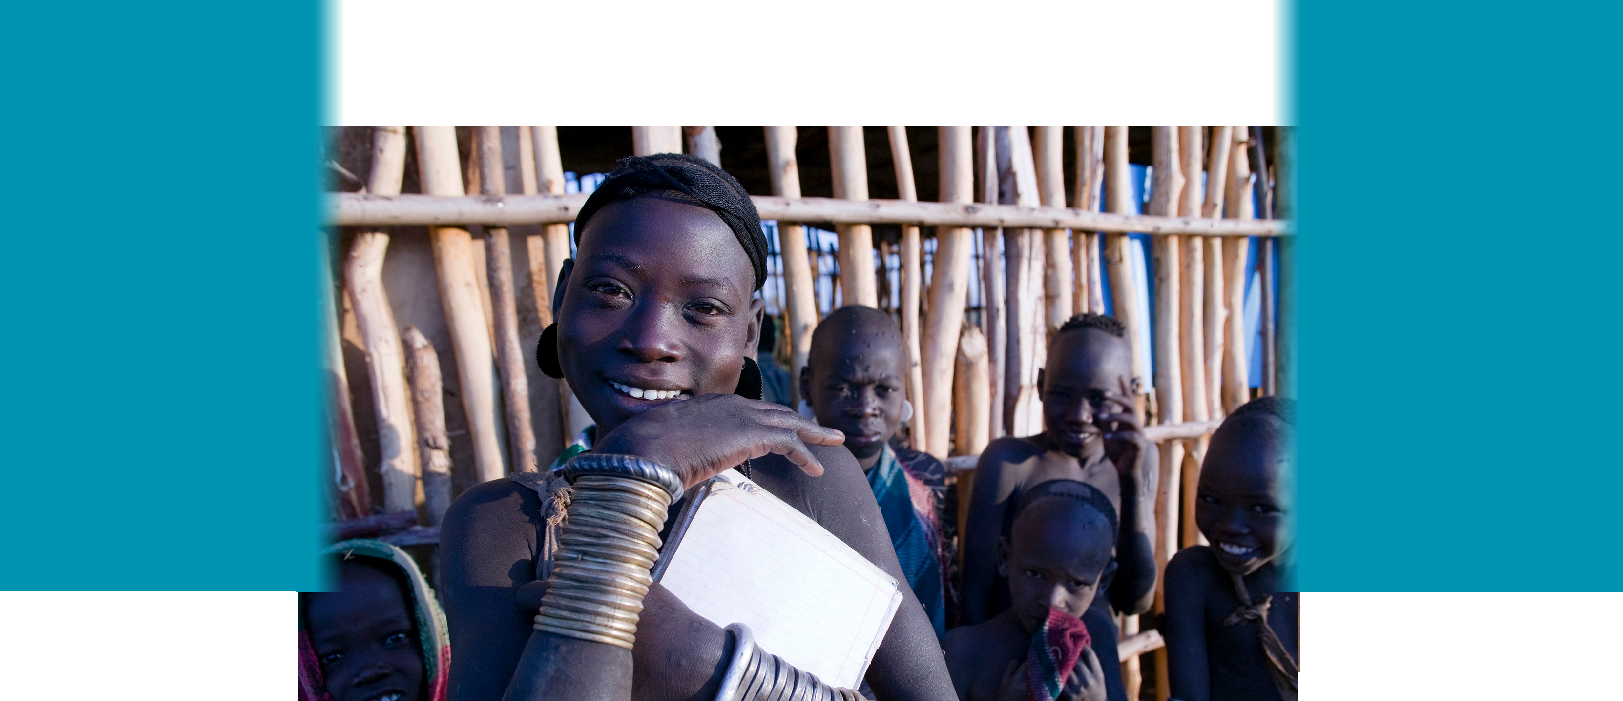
(809, 598)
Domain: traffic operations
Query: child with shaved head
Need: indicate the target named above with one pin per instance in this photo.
(1231, 634)
(1056, 557)
(854, 381)
(1090, 435)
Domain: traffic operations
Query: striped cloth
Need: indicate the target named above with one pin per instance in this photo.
(908, 507)
(1055, 648)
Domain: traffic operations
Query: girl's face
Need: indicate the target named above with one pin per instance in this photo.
(657, 306)
(366, 638)
(1240, 504)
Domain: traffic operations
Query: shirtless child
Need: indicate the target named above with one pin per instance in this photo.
(1056, 557)
(1090, 435)
(1218, 646)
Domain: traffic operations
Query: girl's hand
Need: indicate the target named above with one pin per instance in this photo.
(703, 436)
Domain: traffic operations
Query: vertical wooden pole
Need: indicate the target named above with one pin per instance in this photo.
(1090, 174)
(1236, 346)
(845, 148)
(473, 185)
(702, 142)
(971, 427)
(363, 280)
(1024, 254)
(992, 285)
(972, 400)
(1217, 310)
(912, 276)
(546, 416)
(526, 161)
(1265, 261)
(799, 288)
(1049, 153)
(1168, 375)
(949, 286)
(547, 254)
(1132, 676)
(647, 141)
(428, 400)
(1191, 283)
(441, 175)
(1119, 191)
(510, 356)
(354, 495)
(1285, 246)
(1191, 327)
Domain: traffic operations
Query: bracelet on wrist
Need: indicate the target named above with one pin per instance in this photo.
(607, 545)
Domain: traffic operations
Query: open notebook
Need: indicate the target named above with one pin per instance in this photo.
(739, 554)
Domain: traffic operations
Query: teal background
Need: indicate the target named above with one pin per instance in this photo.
(160, 417)
(1458, 279)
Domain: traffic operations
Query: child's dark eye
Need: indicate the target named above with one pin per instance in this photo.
(332, 657)
(1078, 584)
(396, 638)
(1034, 574)
(707, 308)
(1207, 499)
(609, 289)
(1265, 508)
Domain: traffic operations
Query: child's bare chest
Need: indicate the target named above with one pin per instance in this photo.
(1238, 666)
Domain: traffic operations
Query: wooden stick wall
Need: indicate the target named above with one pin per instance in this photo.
(970, 378)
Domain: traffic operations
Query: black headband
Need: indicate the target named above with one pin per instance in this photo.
(701, 181)
(1068, 489)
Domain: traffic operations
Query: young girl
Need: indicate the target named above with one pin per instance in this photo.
(657, 323)
(380, 637)
(1230, 633)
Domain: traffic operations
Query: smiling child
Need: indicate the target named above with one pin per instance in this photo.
(1230, 633)
(380, 637)
(1089, 435)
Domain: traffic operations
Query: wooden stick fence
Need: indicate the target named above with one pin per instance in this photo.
(361, 209)
(1038, 262)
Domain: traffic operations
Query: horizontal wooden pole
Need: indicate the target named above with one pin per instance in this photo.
(1139, 643)
(357, 209)
(410, 537)
(1159, 433)
(370, 526)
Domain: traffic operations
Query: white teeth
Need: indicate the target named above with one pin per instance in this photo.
(653, 394)
(1232, 549)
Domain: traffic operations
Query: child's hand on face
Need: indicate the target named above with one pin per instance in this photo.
(1125, 443)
